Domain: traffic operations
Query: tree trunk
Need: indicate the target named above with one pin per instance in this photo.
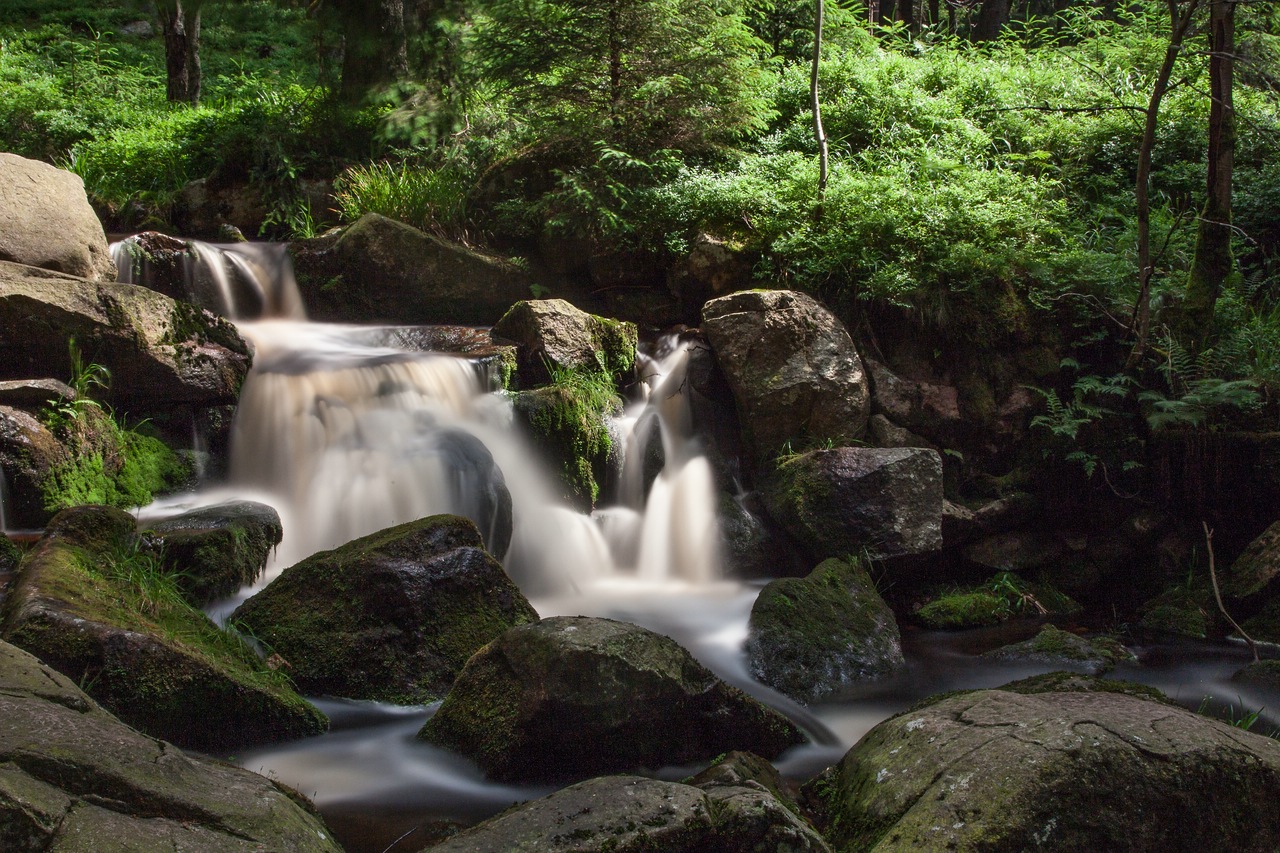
(873, 11)
(992, 17)
(1213, 265)
(907, 14)
(180, 24)
(818, 133)
(1141, 322)
(375, 49)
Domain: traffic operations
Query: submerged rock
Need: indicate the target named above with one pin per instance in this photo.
(572, 697)
(811, 637)
(215, 550)
(795, 374)
(855, 500)
(1057, 771)
(46, 221)
(392, 616)
(552, 335)
(93, 606)
(74, 778)
(631, 814)
(160, 352)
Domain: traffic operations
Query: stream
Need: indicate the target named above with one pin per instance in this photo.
(346, 430)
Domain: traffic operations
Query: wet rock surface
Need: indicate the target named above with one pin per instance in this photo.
(215, 550)
(571, 697)
(1061, 771)
(74, 778)
(392, 616)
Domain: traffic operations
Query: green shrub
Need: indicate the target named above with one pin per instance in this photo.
(432, 200)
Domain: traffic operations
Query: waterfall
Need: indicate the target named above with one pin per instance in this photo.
(240, 281)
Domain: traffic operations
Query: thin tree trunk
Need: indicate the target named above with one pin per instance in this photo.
(375, 50)
(1141, 322)
(181, 27)
(873, 11)
(992, 17)
(819, 134)
(907, 14)
(1213, 264)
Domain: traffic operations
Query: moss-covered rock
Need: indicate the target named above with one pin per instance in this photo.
(811, 637)
(553, 336)
(1056, 647)
(631, 814)
(995, 770)
(74, 778)
(1005, 596)
(392, 616)
(572, 697)
(1187, 611)
(1251, 576)
(215, 550)
(91, 604)
(568, 422)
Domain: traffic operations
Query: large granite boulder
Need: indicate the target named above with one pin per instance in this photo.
(552, 335)
(46, 221)
(572, 697)
(631, 814)
(381, 271)
(91, 605)
(215, 550)
(160, 352)
(811, 637)
(998, 770)
(886, 502)
(73, 778)
(795, 374)
(392, 616)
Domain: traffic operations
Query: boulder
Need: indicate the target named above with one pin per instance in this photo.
(551, 335)
(568, 422)
(631, 814)
(1249, 580)
(791, 364)
(886, 502)
(812, 637)
(1005, 596)
(1061, 649)
(572, 697)
(392, 616)
(35, 394)
(160, 352)
(381, 271)
(74, 778)
(215, 550)
(1056, 771)
(46, 221)
(929, 410)
(714, 267)
(94, 607)
(155, 261)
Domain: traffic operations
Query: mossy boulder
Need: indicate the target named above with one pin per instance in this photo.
(392, 616)
(552, 336)
(215, 550)
(996, 770)
(811, 637)
(571, 697)
(568, 423)
(793, 369)
(1250, 578)
(81, 456)
(631, 814)
(1005, 596)
(88, 602)
(378, 270)
(1053, 646)
(881, 502)
(161, 353)
(74, 778)
(1183, 610)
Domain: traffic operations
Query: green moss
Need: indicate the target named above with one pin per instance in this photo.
(964, 610)
(568, 420)
(112, 466)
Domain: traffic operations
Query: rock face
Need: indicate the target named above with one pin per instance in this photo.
(46, 221)
(382, 271)
(74, 778)
(89, 605)
(927, 409)
(551, 334)
(1058, 771)
(886, 501)
(218, 549)
(392, 616)
(810, 637)
(572, 697)
(631, 814)
(160, 352)
(793, 369)
(1254, 571)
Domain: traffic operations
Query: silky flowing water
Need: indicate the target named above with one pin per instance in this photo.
(345, 432)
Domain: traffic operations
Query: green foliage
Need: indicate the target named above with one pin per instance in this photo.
(432, 200)
(1064, 420)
